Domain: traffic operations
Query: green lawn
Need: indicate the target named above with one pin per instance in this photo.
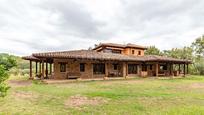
(140, 96)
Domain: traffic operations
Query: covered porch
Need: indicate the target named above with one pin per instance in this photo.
(40, 68)
(87, 69)
(159, 69)
(85, 64)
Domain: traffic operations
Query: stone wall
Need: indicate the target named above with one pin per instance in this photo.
(73, 66)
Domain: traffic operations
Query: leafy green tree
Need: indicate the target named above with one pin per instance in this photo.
(3, 76)
(199, 65)
(7, 61)
(180, 53)
(152, 50)
(183, 53)
(198, 46)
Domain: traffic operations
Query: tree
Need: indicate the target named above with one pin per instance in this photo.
(198, 46)
(152, 50)
(3, 77)
(6, 63)
(199, 65)
(180, 53)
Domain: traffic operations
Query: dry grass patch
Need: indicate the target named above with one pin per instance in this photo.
(159, 102)
(77, 101)
(197, 85)
(24, 95)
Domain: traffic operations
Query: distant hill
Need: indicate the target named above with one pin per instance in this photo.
(22, 65)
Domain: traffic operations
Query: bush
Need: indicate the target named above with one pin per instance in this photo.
(200, 67)
(3, 77)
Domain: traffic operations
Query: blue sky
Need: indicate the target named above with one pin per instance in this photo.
(28, 26)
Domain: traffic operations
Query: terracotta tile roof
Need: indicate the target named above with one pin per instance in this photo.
(164, 59)
(31, 58)
(86, 54)
(135, 46)
(93, 55)
(120, 45)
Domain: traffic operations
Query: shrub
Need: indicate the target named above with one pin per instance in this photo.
(3, 77)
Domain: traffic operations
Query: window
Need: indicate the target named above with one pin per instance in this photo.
(139, 52)
(132, 69)
(62, 67)
(99, 68)
(133, 51)
(144, 67)
(82, 67)
(112, 51)
(107, 51)
(115, 66)
(150, 67)
(163, 67)
(116, 51)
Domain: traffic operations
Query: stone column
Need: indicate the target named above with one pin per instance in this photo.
(139, 70)
(124, 70)
(91, 70)
(106, 70)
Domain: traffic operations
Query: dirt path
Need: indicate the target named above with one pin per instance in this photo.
(19, 83)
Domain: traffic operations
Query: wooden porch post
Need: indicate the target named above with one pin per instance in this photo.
(43, 70)
(124, 70)
(184, 69)
(31, 74)
(126, 67)
(157, 69)
(187, 69)
(117, 70)
(179, 69)
(106, 70)
(50, 68)
(36, 68)
(40, 69)
(171, 69)
(46, 70)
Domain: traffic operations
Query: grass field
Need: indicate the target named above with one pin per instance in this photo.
(140, 96)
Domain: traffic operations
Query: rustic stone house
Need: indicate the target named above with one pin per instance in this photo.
(104, 61)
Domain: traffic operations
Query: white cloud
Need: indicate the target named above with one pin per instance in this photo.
(28, 26)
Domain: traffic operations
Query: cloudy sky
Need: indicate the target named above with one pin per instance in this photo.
(28, 26)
